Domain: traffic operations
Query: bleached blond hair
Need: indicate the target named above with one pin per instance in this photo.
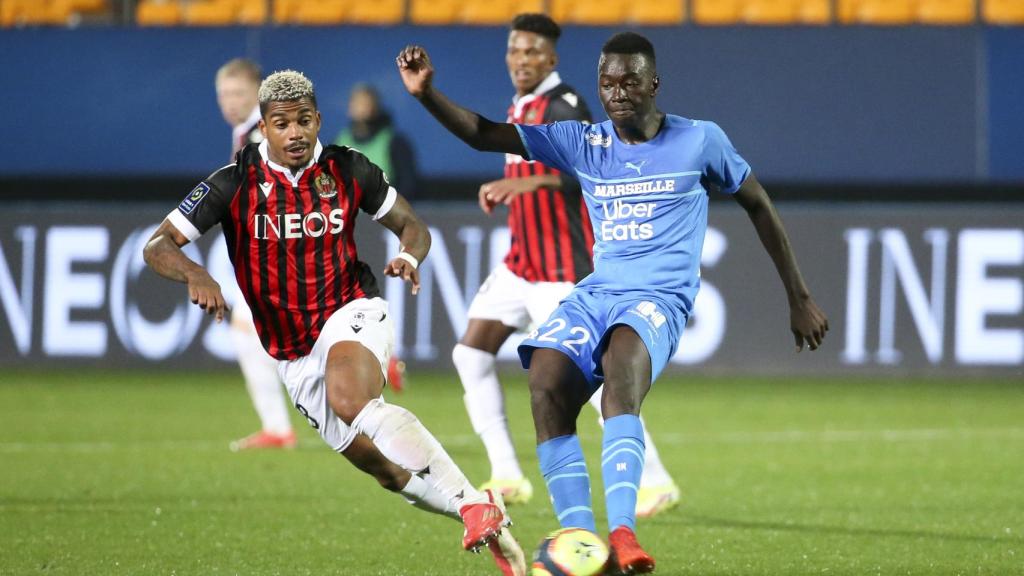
(285, 86)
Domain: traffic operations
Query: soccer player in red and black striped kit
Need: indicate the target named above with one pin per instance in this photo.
(552, 242)
(288, 207)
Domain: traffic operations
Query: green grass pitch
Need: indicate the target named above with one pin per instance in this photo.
(129, 473)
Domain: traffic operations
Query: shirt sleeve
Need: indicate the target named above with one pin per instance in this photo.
(207, 204)
(723, 165)
(557, 145)
(378, 194)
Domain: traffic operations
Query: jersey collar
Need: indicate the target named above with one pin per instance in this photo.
(545, 86)
(294, 179)
(247, 125)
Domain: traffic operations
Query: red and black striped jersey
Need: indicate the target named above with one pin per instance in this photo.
(552, 238)
(290, 237)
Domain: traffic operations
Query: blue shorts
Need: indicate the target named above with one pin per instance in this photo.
(580, 327)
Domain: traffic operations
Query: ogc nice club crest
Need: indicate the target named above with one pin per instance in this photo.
(325, 186)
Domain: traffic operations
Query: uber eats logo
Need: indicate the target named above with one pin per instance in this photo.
(614, 227)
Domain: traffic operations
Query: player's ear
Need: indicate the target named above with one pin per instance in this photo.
(655, 84)
(263, 128)
(554, 59)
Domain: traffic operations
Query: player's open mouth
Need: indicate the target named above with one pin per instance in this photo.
(296, 151)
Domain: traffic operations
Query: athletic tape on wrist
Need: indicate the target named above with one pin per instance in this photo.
(409, 258)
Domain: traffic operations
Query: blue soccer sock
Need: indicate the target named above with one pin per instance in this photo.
(622, 463)
(565, 472)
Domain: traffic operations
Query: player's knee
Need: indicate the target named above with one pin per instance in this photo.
(461, 356)
(471, 363)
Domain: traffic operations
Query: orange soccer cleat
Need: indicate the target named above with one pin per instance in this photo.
(627, 554)
(396, 372)
(508, 555)
(264, 439)
(483, 521)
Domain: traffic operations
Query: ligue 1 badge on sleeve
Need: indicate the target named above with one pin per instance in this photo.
(194, 197)
(325, 186)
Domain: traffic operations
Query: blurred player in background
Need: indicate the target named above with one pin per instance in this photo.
(646, 177)
(237, 84)
(551, 248)
(371, 131)
(287, 208)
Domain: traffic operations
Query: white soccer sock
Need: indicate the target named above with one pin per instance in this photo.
(261, 380)
(485, 404)
(421, 495)
(654, 473)
(401, 438)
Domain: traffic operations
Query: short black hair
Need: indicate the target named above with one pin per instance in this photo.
(541, 24)
(629, 43)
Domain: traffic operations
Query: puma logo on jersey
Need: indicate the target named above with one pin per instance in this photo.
(290, 226)
(636, 167)
(266, 187)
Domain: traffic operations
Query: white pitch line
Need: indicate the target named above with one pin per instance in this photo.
(662, 438)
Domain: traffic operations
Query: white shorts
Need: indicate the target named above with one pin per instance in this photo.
(515, 302)
(365, 321)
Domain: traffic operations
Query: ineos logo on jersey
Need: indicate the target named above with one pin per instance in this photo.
(291, 226)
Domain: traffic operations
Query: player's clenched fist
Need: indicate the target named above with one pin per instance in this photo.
(416, 70)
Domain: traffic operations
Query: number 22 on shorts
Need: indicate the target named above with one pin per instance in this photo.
(577, 335)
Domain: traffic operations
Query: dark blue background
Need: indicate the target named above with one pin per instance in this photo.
(851, 104)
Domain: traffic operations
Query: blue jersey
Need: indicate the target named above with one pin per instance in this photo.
(648, 202)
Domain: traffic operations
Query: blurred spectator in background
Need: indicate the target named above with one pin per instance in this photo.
(370, 131)
(237, 84)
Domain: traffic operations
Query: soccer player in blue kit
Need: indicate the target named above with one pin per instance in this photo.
(646, 176)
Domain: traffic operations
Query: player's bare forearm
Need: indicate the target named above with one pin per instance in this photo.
(164, 255)
(472, 128)
(414, 237)
(506, 190)
(482, 134)
(411, 231)
(754, 199)
(807, 322)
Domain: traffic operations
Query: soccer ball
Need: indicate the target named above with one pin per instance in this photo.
(570, 552)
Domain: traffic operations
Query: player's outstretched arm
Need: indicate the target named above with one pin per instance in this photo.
(415, 242)
(504, 191)
(482, 134)
(164, 255)
(807, 322)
